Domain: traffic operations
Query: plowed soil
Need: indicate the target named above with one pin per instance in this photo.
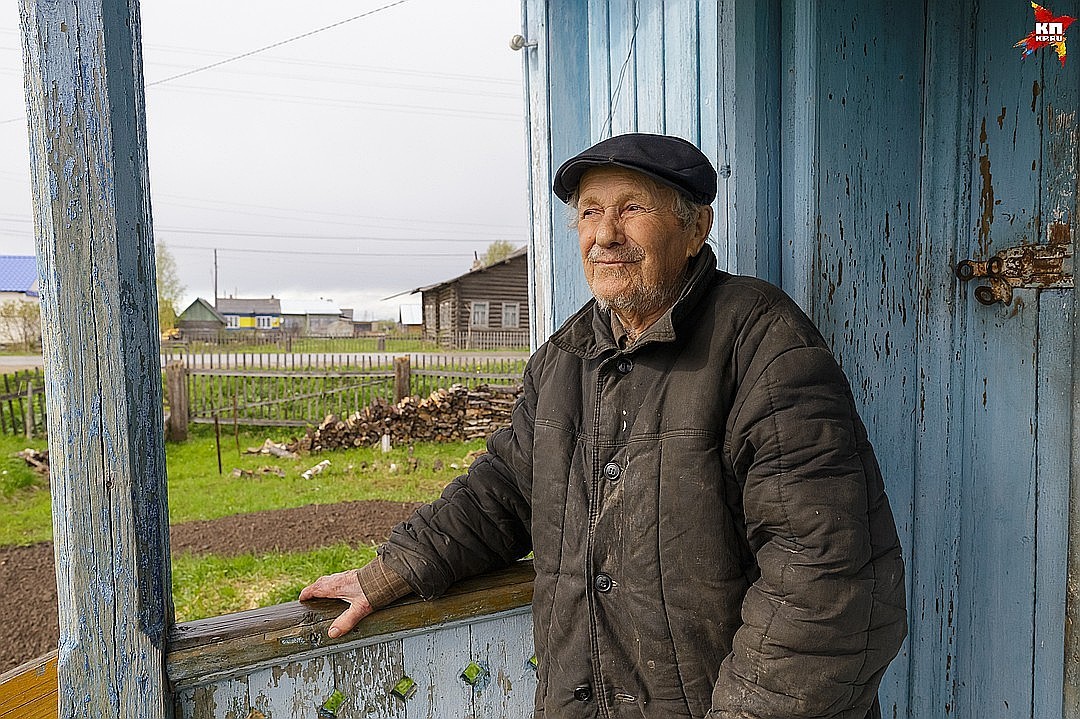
(28, 616)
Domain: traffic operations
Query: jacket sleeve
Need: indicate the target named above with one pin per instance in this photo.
(826, 614)
(481, 521)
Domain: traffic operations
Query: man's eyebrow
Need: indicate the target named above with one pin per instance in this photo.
(635, 195)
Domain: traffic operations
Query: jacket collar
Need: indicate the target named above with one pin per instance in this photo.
(587, 333)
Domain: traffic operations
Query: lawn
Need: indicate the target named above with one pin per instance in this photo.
(210, 585)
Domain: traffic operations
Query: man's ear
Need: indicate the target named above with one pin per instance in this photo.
(702, 225)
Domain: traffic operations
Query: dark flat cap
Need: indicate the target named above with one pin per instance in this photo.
(672, 161)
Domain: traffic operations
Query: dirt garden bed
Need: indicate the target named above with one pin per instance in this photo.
(28, 599)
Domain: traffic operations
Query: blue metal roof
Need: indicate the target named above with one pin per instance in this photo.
(18, 273)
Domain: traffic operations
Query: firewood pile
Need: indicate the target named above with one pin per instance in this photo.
(447, 415)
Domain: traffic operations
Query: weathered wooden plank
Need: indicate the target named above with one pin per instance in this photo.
(29, 691)
(799, 146)
(853, 250)
(1053, 389)
(505, 645)
(535, 61)
(101, 349)
(681, 69)
(227, 644)
(569, 134)
(599, 70)
(1055, 684)
(623, 28)
(715, 110)
(646, 72)
(435, 660)
(938, 453)
(756, 161)
(366, 676)
(1072, 588)
(227, 699)
(995, 614)
(296, 689)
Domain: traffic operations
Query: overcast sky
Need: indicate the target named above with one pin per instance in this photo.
(367, 159)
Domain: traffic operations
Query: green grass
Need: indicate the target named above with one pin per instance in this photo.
(210, 586)
(196, 491)
(25, 510)
(206, 586)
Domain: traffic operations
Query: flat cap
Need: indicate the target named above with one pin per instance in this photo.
(669, 160)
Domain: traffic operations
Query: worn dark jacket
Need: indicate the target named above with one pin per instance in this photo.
(710, 528)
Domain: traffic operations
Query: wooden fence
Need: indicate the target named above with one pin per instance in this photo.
(488, 339)
(22, 403)
(305, 389)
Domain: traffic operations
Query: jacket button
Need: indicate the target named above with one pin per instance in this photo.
(603, 583)
(583, 693)
(612, 470)
(625, 365)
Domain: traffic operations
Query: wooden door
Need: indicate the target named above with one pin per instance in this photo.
(866, 148)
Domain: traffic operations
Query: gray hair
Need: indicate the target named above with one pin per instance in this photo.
(683, 207)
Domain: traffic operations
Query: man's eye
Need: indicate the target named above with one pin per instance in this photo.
(591, 212)
(635, 208)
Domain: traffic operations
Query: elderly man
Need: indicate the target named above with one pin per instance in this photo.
(710, 528)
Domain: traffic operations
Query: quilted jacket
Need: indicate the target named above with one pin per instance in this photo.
(710, 530)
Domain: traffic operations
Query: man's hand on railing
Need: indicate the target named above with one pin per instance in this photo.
(344, 586)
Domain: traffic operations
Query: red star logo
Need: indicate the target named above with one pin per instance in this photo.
(1042, 37)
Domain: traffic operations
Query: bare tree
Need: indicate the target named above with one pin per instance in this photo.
(169, 288)
(20, 322)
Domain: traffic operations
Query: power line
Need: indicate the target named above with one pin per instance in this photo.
(279, 43)
(287, 236)
(256, 51)
(346, 215)
(165, 230)
(352, 67)
(308, 253)
(311, 217)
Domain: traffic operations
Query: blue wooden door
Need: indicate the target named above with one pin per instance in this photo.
(865, 149)
(932, 143)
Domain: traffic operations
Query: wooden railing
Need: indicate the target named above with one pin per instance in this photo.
(467, 653)
(29, 691)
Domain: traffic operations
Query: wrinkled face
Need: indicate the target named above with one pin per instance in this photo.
(633, 246)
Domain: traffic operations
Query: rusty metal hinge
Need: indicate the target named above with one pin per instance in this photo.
(1046, 266)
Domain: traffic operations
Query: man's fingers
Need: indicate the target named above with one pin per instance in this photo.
(342, 585)
(348, 619)
(335, 586)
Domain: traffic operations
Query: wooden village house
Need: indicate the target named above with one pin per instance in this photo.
(258, 315)
(200, 321)
(485, 308)
(19, 317)
(315, 318)
(900, 169)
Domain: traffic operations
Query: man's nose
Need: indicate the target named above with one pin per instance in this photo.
(609, 230)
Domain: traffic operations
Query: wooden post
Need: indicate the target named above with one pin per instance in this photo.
(217, 441)
(28, 415)
(236, 419)
(176, 386)
(402, 378)
(95, 249)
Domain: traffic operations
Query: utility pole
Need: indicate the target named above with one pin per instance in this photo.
(215, 278)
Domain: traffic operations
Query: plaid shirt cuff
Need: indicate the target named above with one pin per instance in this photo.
(381, 584)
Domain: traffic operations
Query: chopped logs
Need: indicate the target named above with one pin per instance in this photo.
(447, 415)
